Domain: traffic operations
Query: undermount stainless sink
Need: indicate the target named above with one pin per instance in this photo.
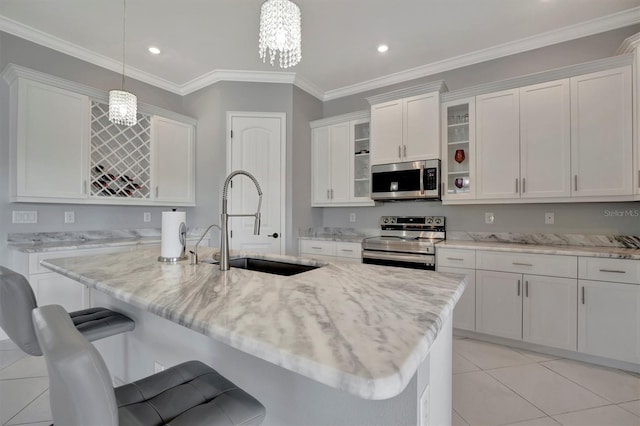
(268, 266)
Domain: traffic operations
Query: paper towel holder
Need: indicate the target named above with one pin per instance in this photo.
(182, 235)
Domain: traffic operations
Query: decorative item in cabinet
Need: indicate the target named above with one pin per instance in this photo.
(120, 156)
(458, 148)
(362, 168)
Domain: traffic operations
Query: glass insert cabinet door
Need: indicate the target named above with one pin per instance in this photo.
(361, 164)
(458, 118)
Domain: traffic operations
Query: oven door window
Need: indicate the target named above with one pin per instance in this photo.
(399, 263)
(396, 181)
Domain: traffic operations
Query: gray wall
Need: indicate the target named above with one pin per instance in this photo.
(590, 218)
(51, 216)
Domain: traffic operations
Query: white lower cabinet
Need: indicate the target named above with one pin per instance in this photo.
(549, 311)
(456, 261)
(608, 311)
(499, 304)
(52, 288)
(517, 301)
(330, 251)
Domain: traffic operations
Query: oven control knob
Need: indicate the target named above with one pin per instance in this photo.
(429, 220)
(385, 220)
(438, 221)
(393, 220)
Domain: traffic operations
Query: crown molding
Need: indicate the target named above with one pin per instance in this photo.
(217, 76)
(583, 29)
(629, 44)
(336, 119)
(308, 87)
(434, 86)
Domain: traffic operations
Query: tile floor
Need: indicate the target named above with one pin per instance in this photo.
(492, 385)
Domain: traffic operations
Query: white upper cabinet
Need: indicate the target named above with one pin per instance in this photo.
(498, 145)
(386, 132)
(65, 149)
(50, 137)
(406, 128)
(601, 132)
(340, 170)
(173, 150)
(545, 140)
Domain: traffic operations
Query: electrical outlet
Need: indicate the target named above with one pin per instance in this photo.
(147, 216)
(24, 216)
(488, 218)
(549, 218)
(352, 217)
(69, 217)
(157, 367)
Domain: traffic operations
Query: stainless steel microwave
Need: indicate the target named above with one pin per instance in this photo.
(414, 180)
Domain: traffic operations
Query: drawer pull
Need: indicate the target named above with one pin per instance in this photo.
(521, 264)
(614, 271)
(518, 287)
(455, 258)
(349, 250)
(317, 248)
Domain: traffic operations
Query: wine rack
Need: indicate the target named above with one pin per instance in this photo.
(120, 156)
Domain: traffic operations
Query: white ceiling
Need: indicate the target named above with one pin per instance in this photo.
(204, 41)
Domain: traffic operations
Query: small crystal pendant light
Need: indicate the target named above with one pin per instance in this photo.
(280, 32)
(123, 106)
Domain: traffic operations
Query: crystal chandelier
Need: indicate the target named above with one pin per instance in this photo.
(123, 106)
(280, 32)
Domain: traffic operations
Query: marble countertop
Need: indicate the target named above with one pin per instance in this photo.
(364, 329)
(332, 237)
(74, 245)
(611, 252)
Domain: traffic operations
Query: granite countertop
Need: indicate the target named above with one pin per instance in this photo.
(611, 252)
(364, 329)
(51, 246)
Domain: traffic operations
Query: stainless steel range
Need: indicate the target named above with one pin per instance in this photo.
(406, 241)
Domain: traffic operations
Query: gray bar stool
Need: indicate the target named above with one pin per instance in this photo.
(17, 301)
(81, 392)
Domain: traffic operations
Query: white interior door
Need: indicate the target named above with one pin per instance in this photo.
(256, 144)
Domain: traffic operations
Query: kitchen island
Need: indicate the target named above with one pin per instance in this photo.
(366, 332)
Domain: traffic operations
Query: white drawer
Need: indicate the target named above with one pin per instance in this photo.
(456, 258)
(352, 250)
(34, 259)
(324, 248)
(527, 263)
(605, 269)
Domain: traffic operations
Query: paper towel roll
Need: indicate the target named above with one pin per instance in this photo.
(173, 223)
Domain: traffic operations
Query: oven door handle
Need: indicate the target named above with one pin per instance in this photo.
(425, 260)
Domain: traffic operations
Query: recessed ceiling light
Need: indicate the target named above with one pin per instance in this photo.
(383, 48)
(154, 50)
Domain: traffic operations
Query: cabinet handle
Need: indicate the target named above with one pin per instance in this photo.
(405, 150)
(521, 264)
(516, 185)
(86, 190)
(638, 178)
(317, 248)
(399, 152)
(575, 182)
(157, 192)
(332, 193)
(349, 250)
(614, 271)
(328, 194)
(583, 295)
(518, 287)
(455, 258)
(526, 288)
(523, 185)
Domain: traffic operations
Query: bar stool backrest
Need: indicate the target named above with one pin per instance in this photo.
(16, 303)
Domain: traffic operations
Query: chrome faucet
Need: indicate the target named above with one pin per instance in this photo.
(224, 231)
(194, 252)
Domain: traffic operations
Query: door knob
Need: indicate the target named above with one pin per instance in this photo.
(274, 235)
